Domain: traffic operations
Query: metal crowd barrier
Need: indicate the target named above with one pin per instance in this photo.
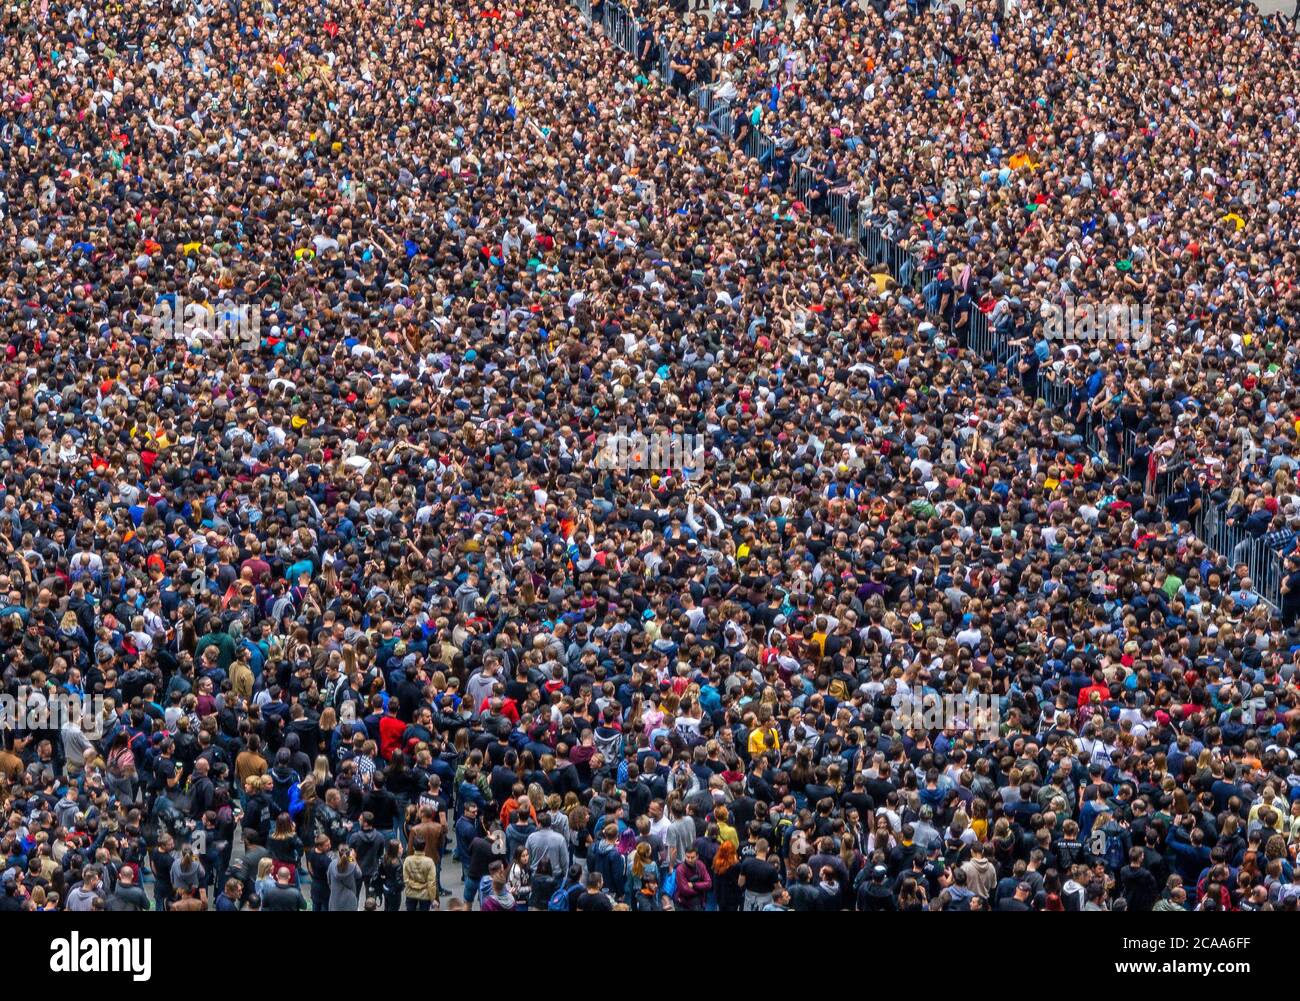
(665, 63)
(1263, 563)
(985, 340)
(843, 218)
(718, 114)
(761, 147)
(620, 26)
(980, 340)
(877, 248)
(801, 183)
(1056, 395)
(1163, 480)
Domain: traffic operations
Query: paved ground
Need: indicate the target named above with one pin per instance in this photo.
(453, 877)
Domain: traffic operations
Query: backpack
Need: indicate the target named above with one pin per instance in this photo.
(167, 817)
(469, 792)
(611, 865)
(560, 898)
(783, 828)
(609, 746)
(627, 841)
(295, 800)
(1113, 850)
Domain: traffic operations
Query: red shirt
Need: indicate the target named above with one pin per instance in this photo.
(259, 567)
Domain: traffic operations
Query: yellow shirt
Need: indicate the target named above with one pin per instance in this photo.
(759, 741)
(1278, 814)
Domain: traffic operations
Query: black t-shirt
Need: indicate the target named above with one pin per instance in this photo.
(593, 902)
(860, 801)
(761, 876)
(162, 866)
(496, 753)
(481, 855)
(501, 782)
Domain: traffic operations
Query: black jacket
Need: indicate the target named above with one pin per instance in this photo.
(369, 846)
(806, 897)
(202, 795)
(127, 898)
(1139, 888)
(283, 898)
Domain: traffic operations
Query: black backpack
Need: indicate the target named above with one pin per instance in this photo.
(612, 867)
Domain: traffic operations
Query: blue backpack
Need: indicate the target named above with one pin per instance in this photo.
(560, 898)
(296, 803)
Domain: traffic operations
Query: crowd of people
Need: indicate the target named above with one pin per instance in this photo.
(358, 617)
(1126, 156)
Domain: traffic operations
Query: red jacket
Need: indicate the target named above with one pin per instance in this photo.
(390, 736)
(1085, 694)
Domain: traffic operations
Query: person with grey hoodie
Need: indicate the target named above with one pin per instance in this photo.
(187, 872)
(82, 896)
(67, 808)
(981, 874)
(345, 881)
(924, 833)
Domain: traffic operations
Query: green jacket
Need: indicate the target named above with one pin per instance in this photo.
(225, 647)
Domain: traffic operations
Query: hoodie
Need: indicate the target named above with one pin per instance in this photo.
(981, 877)
(1073, 895)
(81, 899)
